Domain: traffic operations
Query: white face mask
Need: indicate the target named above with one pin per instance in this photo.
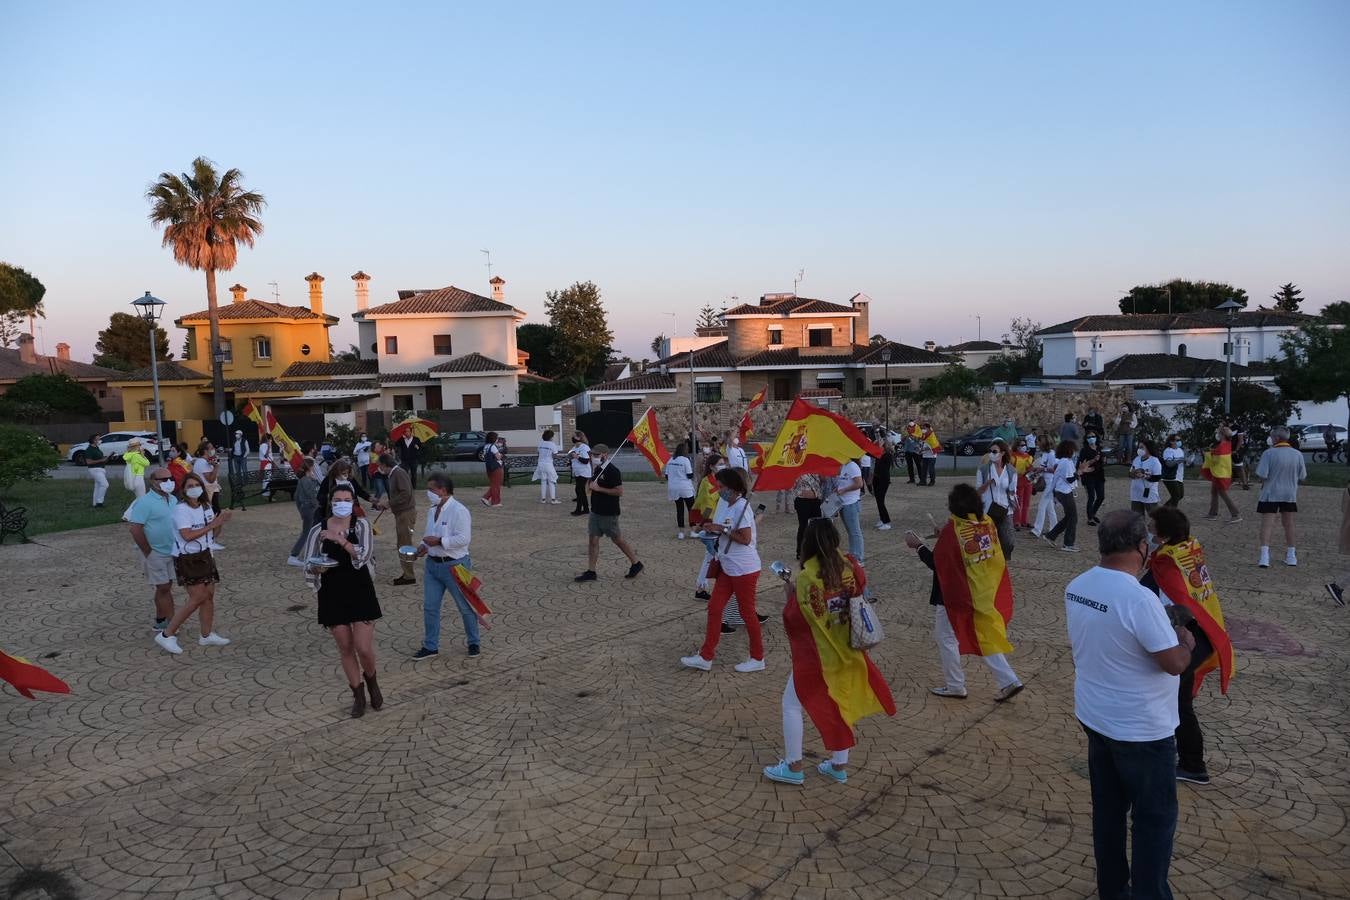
(342, 508)
(166, 486)
(433, 497)
(193, 492)
(1141, 453)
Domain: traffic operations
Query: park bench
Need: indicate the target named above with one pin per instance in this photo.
(13, 520)
(519, 467)
(281, 480)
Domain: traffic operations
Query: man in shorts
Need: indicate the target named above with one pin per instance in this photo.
(151, 521)
(605, 490)
(1281, 469)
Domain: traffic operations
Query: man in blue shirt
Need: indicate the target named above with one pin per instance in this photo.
(152, 528)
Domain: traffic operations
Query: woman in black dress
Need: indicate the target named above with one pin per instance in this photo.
(347, 604)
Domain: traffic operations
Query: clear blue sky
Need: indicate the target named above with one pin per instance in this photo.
(948, 159)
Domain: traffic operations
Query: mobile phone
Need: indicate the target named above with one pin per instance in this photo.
(759, 508)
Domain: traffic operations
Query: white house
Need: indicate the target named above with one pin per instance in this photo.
(446, 348)
(974, 354)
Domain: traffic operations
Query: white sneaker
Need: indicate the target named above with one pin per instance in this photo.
(555, 501)
(168, 643)
(1290, 559)
(543, 500)
(679, 535)
(689, 662)
(1264, 561)
(212, 640)
(750, 665)
(295, 561)
(884, 526)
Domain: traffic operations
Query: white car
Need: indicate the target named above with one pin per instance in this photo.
(114, 444)
(1310, 436)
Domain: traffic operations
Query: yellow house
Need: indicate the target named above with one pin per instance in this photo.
(259, 338)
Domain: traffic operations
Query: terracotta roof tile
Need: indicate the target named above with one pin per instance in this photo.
(255, 309)
(274, 385)
(713, 356)
(443, 300)
(12, 367)
(404, 377)
(471, 362)
(1136, 366)
(650, 381)
(169, 370)
(785, 306)
(331, 369)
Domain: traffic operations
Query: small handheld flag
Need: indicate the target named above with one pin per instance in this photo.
(469, 585)
(646, 436)
(747, 427)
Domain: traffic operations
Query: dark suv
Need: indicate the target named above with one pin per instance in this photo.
(972, 444)
(462, 445)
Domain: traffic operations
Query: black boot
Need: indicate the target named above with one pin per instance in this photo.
(376, 698)
(358, 701)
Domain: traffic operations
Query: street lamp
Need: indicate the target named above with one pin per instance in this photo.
(886, 367)
(1230, 308)
(150, 308)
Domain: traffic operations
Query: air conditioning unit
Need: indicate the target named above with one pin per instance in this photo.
(1084, 364)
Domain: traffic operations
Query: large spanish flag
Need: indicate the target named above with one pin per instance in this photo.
(812, 441)
(747, 427)
(284, 441)
(26, 677)
(646, 436)
(1218, 464)
(976, 587)
(1182, 575)
(470, 586)
(836, 684)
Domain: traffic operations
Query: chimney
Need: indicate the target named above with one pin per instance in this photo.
(930, 346)
(63, 352)
(362, 291)
(26, 352)
(862, 326)
(1098, 352)
(240, 293)
(498, 293)
(315, 292)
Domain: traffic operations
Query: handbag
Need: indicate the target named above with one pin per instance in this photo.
(864, 628)
(195, 566)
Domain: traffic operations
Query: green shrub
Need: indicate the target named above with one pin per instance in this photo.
(24, 456)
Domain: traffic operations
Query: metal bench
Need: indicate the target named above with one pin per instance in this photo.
(13, 520)
(280, 479)
(519, 467)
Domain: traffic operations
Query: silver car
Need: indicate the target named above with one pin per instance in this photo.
(114, 444)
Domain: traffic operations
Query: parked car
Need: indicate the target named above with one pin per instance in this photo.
(114, 444)
(874, 432)
(464, 445)
(1310, 436)
(975, 443)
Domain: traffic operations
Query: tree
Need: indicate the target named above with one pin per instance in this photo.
(1179, 296)
(20, 292)
(24, 456)
(125, 343)
(11, 326)
(351, 354)
(583, 336)
(878, 340)
(541, 342)
(1338, 312)
(1024, 357)
(1316, 363)
(955, 385)
(708, 317)
(60, 392)
(657, 343)
(206, 216)
(1288, 297)
(1255, 411)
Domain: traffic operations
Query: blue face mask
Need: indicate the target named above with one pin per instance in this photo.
(727, 494)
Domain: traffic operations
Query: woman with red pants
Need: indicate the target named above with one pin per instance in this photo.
(492, 459)
(738, 558)
(1022, 462)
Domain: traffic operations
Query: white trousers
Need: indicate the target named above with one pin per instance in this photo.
(949, 652)
(100, 478)
(1046, 517)
(793, 728)
(548, 490)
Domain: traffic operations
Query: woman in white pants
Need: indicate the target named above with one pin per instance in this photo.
(1046, 517)
(97, 464)
(545, 472)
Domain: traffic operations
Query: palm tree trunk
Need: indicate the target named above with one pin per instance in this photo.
(217, 376)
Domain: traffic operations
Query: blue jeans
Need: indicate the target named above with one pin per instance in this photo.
(851, 516)
(1136, 779)
(437, 579)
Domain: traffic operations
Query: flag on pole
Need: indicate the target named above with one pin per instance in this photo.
(469, 585)
(252, 412)
(757, 464)
(747, 427)
(976, 587)
(812, 441)
(1181, 572)
(288, 446)
(646, 436)
(26, 677)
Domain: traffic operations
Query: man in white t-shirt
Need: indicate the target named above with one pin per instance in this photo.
(849, 486)
(736, 456)
(1127, 657)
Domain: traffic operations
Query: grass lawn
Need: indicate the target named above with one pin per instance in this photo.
(64, 505)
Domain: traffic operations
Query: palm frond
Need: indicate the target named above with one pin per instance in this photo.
(205, 215)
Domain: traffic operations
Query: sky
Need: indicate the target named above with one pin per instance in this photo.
(949, 160)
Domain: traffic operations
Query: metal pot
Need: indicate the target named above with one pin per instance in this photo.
(407, 553)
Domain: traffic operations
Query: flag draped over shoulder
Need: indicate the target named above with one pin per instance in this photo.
(470, 586)
(812, 441)
(1218, 464)
(747, 427)
(1182, 575)
(26, 677)
(976, 586)
(836, 684)
(646, 437)
(705, 501)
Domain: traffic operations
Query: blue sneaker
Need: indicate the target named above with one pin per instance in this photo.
(782, 774)
(827, 768)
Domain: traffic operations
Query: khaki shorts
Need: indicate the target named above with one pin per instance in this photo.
(158, 568)
(603, 526)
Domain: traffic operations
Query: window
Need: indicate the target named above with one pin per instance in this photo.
(262, 348)
(709, 392)
(391, 349)
(304, 349)
(820, 336)
(102, 394)
(440, 344)
(226, 350)
(374, 347)
(403, 401)
(148, 410)
(775, 336)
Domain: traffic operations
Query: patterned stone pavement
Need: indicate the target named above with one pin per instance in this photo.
(575, 757)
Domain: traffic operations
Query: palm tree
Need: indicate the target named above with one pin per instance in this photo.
(205, 216)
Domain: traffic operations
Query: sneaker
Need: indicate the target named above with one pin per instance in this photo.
(1047, 538)
(424, 653)
(702, 595)
(1192, 777)
(474, 650)
(1009, 692)
(215, 545)
(634, 569)
(827, 769)
(1069, 548)
(696, 662)
(295, 561)
(1264, 560)
(402, 580)
(1234, 520)
(884, 526)
(168, 643)
(750, 665)
(679, 535)
(728, 629)
(160, 625)
(1035, 533)
(555, 502)
(1336, 592)
(1290, 558)
(213, 640)
(484, 501)
(783, 775)
(588, 575)
(543, 499)
(493, 505)
(948, 693)
(763, 618)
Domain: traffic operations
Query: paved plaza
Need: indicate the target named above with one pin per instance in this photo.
(575, 758)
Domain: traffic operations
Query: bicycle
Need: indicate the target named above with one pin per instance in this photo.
(1333, 454)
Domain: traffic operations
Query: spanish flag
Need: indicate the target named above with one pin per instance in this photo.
(812, 441)
(747, 427)
(836, 684)
(1218, 464)
(26, 677)
(757, 464)
(284, 441)
(253, 413)
(931, 439)
(470, 586)
(976, 587)
(705, 501)
(1182, 575)
(646, 436)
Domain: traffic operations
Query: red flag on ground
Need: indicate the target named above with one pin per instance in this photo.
(646, 436)
(27, 677)
(747, 427)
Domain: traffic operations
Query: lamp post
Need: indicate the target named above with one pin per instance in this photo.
(886, 367)
(1230, 308)
(150, 308)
